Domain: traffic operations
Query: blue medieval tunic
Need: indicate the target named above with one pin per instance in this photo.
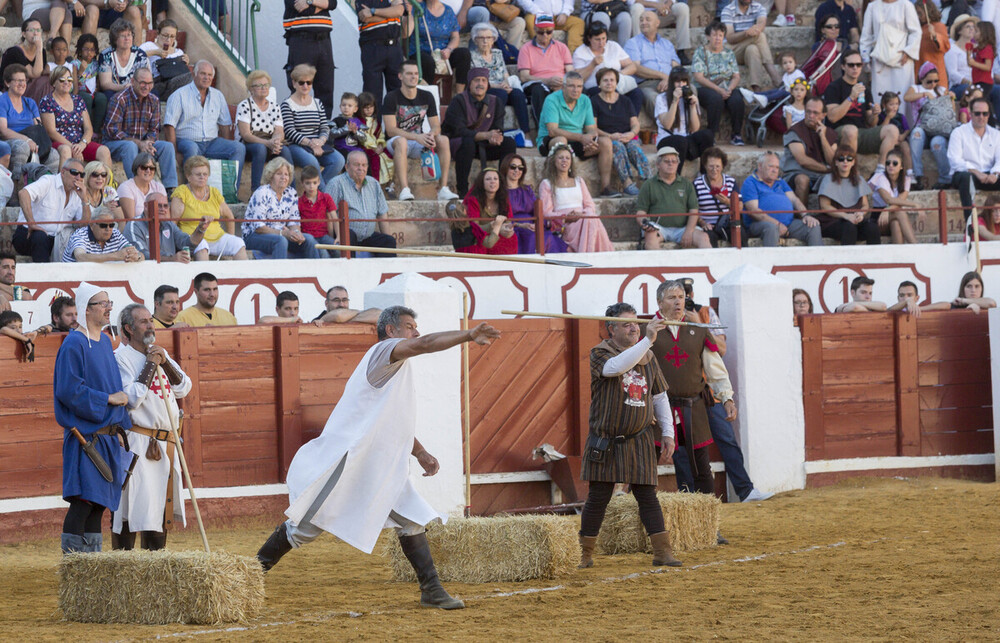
(86, 373)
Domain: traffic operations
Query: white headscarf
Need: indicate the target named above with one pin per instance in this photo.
(84, 293)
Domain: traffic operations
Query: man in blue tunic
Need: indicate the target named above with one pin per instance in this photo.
(89, 397)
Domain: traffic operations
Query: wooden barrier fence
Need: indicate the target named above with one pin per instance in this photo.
(883, 384)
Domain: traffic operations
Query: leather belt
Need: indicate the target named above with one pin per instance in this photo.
(156, 434)
(168, 506)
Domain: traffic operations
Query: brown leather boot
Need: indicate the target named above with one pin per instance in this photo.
(587, 545)
(662, 553)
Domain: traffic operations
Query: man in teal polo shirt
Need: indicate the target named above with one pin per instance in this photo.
(669, 194)
(568, 117)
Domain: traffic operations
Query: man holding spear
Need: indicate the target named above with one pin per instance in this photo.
(151, 500)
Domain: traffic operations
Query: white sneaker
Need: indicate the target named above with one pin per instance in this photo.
(756, 495)
(444, 194)
(779, 21)
(789, 20)
(761, 100)
(405, 195)
(748, 96)
(528, 144)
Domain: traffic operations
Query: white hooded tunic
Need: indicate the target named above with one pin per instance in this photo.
(348, 480)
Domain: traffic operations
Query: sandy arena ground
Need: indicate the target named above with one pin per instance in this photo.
(903, 559)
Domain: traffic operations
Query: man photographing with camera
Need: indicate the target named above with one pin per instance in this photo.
(672, 195)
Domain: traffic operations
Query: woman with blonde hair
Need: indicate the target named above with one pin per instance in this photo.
(196, 202)
(271, 223)
(307, 131)
(259, 125)
(566, 201)
(65, 118)
(97, 190)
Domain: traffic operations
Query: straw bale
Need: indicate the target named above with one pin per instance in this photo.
(157, 587)
(495, 549)
(691, 518)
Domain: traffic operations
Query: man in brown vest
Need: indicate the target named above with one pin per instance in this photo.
(627, 392)
(687, 357)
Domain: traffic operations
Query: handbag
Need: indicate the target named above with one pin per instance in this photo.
(461, 231)
(41, 138)
(430, 165)
(597, 448)
(937, 116)
(441, 65)
(169, 68)
(506, 11)
(612, 8)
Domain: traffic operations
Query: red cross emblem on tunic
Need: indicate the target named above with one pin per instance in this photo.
(678, 357)
(155, 388)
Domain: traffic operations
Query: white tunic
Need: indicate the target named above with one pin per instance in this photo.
(890, 29)
(348, 480)
(144, 497)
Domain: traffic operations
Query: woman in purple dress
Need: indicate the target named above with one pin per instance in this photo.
(522, 203)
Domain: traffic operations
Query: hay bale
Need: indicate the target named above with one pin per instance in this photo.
(691, 518)
(495, 549)
(158, 587)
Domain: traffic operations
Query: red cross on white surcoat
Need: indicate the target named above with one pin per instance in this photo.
(155, 388)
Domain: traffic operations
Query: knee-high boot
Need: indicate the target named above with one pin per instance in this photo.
(277, 545)
(432, 593)
(124, 540)
(154, 540)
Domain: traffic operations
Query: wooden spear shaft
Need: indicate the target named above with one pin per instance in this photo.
(527, 313)
(467, 418)
(975, 237)
(460, 255)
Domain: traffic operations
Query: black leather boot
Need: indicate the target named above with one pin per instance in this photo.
(432, 594)
(124, 540)
(275, 547)
(153, 540)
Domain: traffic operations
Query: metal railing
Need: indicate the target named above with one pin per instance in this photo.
(233, 25)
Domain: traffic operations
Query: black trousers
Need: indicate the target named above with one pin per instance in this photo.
(963, 181)
(376, 240)
(460, 60)
(382, 63)
(713, 103)
(468, 150)
(537, 94)
(597, 503)
(82, 517)
(314, 49)
(848, 233)
(688, 147)
(34, 243)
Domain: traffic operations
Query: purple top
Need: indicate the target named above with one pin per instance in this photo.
(522, 202)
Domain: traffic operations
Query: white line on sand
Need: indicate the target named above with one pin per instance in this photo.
(521, 592)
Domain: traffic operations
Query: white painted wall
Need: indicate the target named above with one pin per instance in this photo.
(274, 53)
(764, 359)
(438, 380)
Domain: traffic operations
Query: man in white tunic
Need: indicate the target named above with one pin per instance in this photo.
(151, 500)
(890, 40)
(353, 480)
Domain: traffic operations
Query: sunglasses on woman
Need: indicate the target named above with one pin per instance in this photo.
(831, 26)
(844, 159)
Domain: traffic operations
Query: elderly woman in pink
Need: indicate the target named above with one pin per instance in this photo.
(567, 202)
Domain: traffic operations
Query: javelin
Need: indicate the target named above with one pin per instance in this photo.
(461, 255)
(527, 313)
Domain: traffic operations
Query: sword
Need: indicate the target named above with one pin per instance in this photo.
(128, 474)
(95, 457)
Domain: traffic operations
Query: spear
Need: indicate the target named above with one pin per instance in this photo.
(527, 313)
(460, 255)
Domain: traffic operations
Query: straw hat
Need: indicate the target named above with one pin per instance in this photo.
(959, 21)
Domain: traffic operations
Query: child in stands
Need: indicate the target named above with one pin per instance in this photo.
(891, 115)
(372, 139)
(317, 210)
(60, 58)
(10, 325)
(85, 71)
(344, 128)
(795, 111)
(981, 54)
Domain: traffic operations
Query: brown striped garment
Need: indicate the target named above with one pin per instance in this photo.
(623, 405)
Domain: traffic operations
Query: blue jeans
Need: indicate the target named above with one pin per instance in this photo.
(216, 148)
(327, 254)
(475, 16)
(939, 148)
(4, 149)
(332, 162)
(126, 151)
(732, 455)
(258, 154)
(517, 100)
(279, 247)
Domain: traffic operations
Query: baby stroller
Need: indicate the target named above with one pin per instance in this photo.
(818, 70)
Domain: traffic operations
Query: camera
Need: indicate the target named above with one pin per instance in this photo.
(687, 92)
(689, 304)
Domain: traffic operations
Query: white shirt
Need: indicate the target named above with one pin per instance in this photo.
(613, 57)
(789, 78)
(967, 150)
(553, 7)
(680, 122)
(49, 203)
(956, 63)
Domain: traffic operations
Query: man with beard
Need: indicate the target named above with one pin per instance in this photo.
(204, 312)
(147, 505)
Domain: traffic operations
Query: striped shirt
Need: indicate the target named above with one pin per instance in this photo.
(301, 122)
(130, 116)
(708, 208)
(366, 203)
(313, 19)
(84, 238)
(740, 21)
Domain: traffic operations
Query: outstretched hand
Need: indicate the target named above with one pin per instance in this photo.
(484, 334)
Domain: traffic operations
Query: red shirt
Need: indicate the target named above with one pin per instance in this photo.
(983, 55)
(313, 215)
(503, 246)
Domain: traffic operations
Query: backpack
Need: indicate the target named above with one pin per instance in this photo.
(937, 116)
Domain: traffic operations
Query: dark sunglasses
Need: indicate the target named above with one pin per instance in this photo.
(980, 113)
(519, 168)
(893, 163)
(933, 81)
(853, 64)
(304, 82)
(844, 159)
(151, 168)
(102, 175)
(74, 172)
(833, 26)
(105, 226)
(544, 31)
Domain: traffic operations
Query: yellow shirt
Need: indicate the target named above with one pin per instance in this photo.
(158, 324)
(195, 209)
(197, 319)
